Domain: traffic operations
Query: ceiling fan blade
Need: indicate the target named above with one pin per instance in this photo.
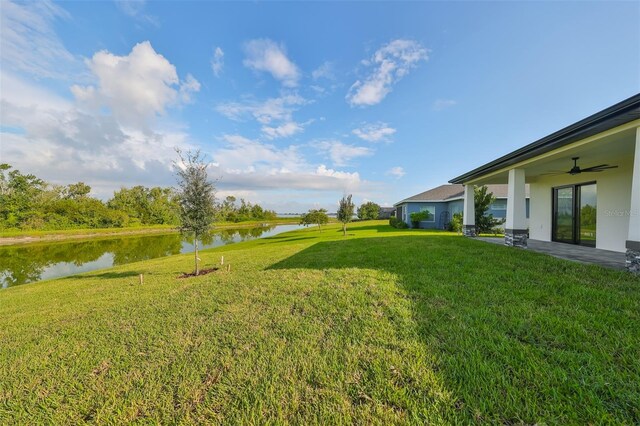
(599, 168)
(557, 172)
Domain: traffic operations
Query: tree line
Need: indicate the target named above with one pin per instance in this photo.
(346, 210)
(30, 203)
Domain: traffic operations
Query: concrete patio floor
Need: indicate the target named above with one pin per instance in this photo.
(606, 258)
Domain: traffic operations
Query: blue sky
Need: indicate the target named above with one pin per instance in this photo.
(296, 104)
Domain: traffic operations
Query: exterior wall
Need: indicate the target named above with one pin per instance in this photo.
(452, 207)
(502, 213)
(614, 204)
(455, 207)
(415, 207)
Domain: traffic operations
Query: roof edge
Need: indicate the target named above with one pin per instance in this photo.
(559, 138)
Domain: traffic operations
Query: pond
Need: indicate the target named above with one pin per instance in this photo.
(22, 264)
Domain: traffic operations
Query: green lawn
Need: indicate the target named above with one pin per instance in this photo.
(381, 327)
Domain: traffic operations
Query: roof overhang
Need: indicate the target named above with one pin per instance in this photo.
(441, 201)
(619, 116)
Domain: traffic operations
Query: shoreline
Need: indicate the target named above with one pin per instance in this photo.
(84, 234)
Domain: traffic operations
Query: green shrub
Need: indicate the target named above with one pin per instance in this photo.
(397, 223)
(417, 217)
(455, 225)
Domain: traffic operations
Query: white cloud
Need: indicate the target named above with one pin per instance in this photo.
(68, 145)
(388, 65)
(238, 193)
(217, 62)
(266, 55)
(242, 155)
(273, 109)
(397, 172)
(375, 132)
(324, 71)
(135, 87)
(341, 154)
(248, 164)
(283, 131)
(189, 86)
(29, 43)
(21, 93)
(441, 104)
(104, 145)
(135, 9)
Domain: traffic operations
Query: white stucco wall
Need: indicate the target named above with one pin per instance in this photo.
(614, 204)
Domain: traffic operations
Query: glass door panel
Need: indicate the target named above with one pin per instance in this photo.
(563, 229)
(587, 223)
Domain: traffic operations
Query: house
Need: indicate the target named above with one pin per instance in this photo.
(584, 183)
(446, 200)
(386, 212)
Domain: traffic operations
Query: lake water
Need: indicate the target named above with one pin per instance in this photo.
(22, 264)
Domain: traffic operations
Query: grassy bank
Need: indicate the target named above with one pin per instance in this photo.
(15, 236)
(382, 327)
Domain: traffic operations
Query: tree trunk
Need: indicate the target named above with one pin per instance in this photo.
(344, 229)
(195, 243)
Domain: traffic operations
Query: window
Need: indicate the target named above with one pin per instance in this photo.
(431, 211)
(499, 205)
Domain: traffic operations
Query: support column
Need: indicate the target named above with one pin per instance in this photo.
(633, 239)
(469, 212)
(515, 229)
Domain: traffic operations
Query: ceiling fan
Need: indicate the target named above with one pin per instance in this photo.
(576, 170)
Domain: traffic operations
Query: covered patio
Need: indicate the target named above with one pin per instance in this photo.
(585, 189)
(576, 253)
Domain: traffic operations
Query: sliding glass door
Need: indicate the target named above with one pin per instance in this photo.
(564, 202)
(587, 222)
(574, 214)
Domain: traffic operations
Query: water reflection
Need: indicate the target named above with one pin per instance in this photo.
(21, 264)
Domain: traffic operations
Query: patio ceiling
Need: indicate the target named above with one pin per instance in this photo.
(613, 147)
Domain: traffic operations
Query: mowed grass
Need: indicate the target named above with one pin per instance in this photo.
(381, 327)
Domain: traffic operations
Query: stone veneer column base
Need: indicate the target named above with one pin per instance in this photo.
(469, 230)
(516, 237)
(633, 257)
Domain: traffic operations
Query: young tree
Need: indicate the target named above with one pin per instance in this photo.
(482, 200)
(197, 197)
(369, 211)
(317, 217)
(345, 212)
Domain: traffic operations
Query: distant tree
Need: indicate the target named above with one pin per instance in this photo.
(369, 211)
(482, 201)
(315, 217)
(197, 197)
(19, 196)
(147, 206)
(76, 191)
(4, 183)
(345, 212)
(588, 215)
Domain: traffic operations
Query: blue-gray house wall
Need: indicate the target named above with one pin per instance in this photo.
(499, 208)
(444, 211)
(438, 208)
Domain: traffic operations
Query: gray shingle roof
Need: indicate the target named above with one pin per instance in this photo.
(456, 191)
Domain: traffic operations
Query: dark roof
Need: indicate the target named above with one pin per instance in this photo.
(614, 116)
(454, 192)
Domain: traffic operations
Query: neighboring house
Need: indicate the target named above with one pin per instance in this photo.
(584, 182)
(445, 201)
(386, 212)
